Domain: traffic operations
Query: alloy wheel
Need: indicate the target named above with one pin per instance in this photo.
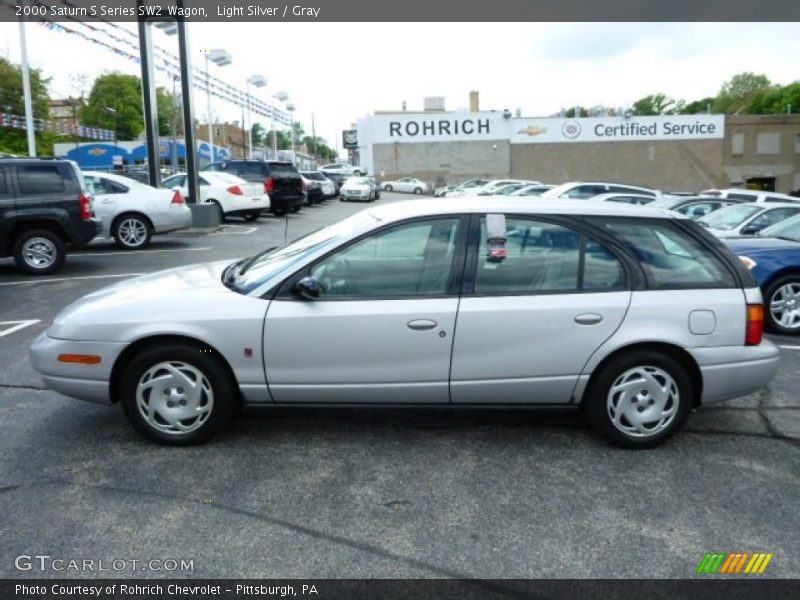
(39, 252)
(784, 306)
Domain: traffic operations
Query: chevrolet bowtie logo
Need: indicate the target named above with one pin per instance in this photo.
(734, 563)
(533, 130)
(97, 151)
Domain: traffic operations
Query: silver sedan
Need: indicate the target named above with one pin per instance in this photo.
(633, 314)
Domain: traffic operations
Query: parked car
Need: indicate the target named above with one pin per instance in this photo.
(410, 185)
(694, 207)
(231, 194)
(337, 179)
(327, 186)
(747, 219)
(745, 195)
(313, 190)
(533, 190)
(488, 188)
(357, 188)
(45, 207)
(131, 212)
(469, 183)
(636, 199)
(504, 190)
(342, 169)
(281, 180)
(375, 186)
(579, 190)
(634, 315)
(773, 257)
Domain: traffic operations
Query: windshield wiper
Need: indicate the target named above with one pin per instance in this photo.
(252, 260)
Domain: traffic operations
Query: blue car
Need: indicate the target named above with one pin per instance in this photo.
(773, 257)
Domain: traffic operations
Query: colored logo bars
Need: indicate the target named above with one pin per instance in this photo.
(734, 563)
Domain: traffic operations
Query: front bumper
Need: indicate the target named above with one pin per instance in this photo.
(85, 382)
(732, 371)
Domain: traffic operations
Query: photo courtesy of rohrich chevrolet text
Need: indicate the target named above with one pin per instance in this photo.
(366, 299)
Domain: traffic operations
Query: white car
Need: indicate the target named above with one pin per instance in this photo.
(358, 188)
(757, 196)
(489, 188)
(410, 185)
(580, 190)
(131, 212)
(638, 199)
(536, 189)
(327, 186)
(747, 219)
(341, 169)
(233, 195)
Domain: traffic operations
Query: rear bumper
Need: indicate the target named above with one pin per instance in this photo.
(282, 202)
(179, 216)
(84, 231)
(732, 371)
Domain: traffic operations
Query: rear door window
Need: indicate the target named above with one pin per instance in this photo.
(251, 170)
(283, 169)
(741, 196)
(771, 217)
(671, 257)
(40, 179)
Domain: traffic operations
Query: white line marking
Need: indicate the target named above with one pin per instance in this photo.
(139, 251)
(17, 325)
(69, 278)
(247, 232)
(789, 347)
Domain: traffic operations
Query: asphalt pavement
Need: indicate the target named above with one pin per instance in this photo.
(379, 493)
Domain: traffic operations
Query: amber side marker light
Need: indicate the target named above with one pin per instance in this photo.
(83, 359)
(755, 324)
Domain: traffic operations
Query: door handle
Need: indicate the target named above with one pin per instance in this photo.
(421, 324)
(588, 318)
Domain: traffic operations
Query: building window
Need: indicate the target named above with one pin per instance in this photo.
(737, 144)
(768, 143)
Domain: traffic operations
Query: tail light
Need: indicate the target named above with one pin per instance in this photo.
(269, 185)
(235, 190)
(755, 324)
(178, 198)
(85, 203)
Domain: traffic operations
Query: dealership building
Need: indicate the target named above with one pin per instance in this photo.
(674, 153)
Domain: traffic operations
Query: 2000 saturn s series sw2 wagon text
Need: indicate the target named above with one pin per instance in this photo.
(636, 315)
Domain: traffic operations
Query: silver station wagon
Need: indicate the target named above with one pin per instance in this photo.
(634, 315)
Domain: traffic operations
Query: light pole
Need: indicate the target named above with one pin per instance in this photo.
(220, 58)
(280, 97)
(259, 82)
(26, 90)
(290, 108)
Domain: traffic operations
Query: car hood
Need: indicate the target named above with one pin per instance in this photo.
(183, 294)
(759, 245)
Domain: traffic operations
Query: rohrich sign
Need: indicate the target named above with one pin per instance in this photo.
(437, 127)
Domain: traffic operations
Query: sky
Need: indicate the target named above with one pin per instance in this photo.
(342, 71)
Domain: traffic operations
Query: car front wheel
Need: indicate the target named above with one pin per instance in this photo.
(177, 394)
(388, 188)
(418, 191)
(639, 399)
(783, 305)
(131, 232)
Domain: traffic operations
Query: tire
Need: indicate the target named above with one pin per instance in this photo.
(39, 252)
(252, 216)
(153, 410)
(280, 212)
(387, 188)
(131, 231)
(640, 396)
(417, 191)
(295, 209)
(782, 299)
(219, 208)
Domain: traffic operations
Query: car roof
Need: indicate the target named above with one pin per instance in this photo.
(521, 205)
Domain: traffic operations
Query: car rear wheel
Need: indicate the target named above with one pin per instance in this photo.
(252, 216)
(39, 252)
(783, 305)
(639, 399)
(131, 232)
(177, 394)
(388, 188)
(418, 191)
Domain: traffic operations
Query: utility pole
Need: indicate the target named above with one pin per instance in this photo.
(314, 137)
(26, 90)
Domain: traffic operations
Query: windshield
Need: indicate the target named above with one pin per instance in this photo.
(250, 273)
(788, 229)
(730, 217)
(358, 181)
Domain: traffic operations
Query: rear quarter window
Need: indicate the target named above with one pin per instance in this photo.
(671, 257)
(40, 179)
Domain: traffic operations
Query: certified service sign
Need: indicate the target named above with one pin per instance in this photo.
(350, 138)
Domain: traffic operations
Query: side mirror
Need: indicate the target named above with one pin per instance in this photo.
(750, 230)
(308, 288)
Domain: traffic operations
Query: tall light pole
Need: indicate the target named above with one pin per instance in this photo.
(290, 108)
(220, 58)
(280, 97)
(26, 90)
(259, 82)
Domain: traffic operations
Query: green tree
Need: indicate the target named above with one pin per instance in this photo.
(657, 104)
(776, 100)
(698, 107)
(122, 94)
(284, 143)
(12, 101)
(296, 131)
(737, 93)
(258, 134)
(168, 109)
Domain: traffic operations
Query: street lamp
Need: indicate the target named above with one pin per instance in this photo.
(259, 82)
(290, 108)
(220, 58)
(280, 97)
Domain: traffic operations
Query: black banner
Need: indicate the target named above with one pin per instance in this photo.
(399, 589)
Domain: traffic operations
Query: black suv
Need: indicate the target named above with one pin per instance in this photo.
(281, 181)
(44, 206)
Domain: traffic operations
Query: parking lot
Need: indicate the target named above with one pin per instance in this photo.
(379, 493)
